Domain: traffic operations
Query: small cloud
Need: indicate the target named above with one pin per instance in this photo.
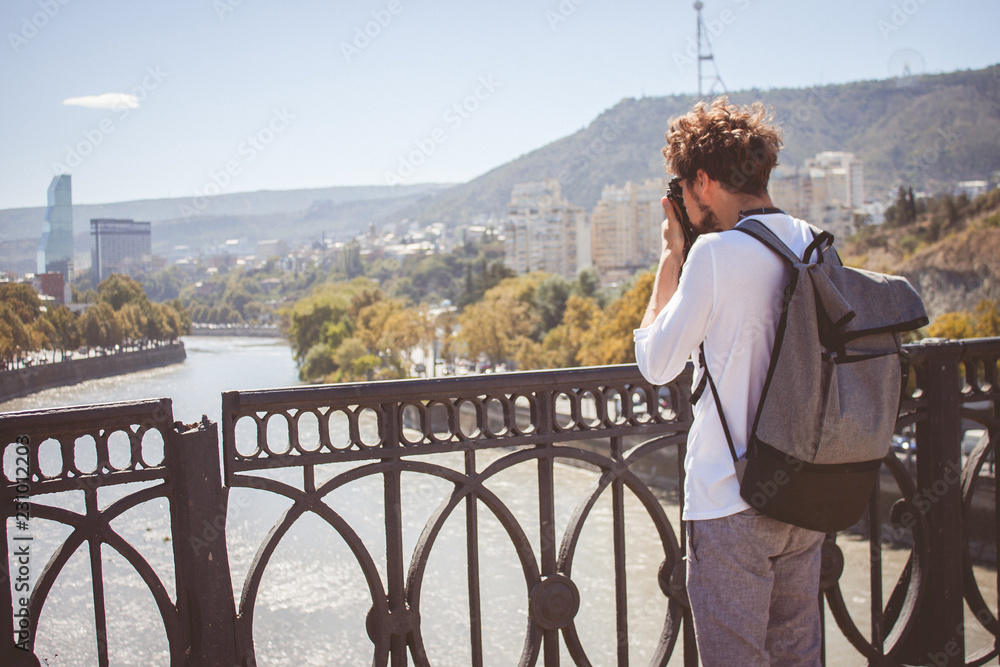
(105, 101)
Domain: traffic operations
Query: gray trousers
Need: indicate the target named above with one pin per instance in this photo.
(753, 583)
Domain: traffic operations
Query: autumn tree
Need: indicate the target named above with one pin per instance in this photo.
(65, 332)
(610, 341)
(983, 322)
(23, 301)
(100, 328)
(15, 335)
(500, 327)
(562, 343)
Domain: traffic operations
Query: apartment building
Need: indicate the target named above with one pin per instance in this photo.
(626, 228)
(544, 232)
(120, 246)
(827, 191)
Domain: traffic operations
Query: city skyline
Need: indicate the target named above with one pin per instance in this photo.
(200, 97)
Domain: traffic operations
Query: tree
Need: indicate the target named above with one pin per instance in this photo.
(15, 336)
(550, 298)
(610, 342)
(65, 330)
(133, 322)
(562, 344)
(445, 329)
(22, 299)
(118, 289)
(954, 326)
(350, 260)
(100, 328)
(43, 334)
(499, 326)
(318, 363)
(307, 320)
(354, 361)
(588, 283)
(371, 323)
(983, 322)
(987, 319)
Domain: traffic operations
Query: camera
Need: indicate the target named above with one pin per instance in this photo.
(675, 195)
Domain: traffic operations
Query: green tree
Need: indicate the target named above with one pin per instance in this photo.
(306, 322)
(588, 283)
(318, 363)
(350, 260)
(118, 289)
(550, 299)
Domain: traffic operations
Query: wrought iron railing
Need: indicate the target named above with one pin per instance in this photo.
(306, 448)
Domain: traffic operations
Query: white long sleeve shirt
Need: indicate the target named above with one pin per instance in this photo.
(730, 297)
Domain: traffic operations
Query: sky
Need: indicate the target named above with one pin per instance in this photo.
(143, 99)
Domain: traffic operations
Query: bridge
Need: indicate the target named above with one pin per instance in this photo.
(452, 445)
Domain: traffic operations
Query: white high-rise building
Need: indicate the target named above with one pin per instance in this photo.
(544, 232)
(828, 191)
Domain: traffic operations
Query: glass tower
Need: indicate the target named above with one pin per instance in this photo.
(55, 250)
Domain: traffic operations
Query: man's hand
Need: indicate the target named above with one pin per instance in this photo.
(671, 231)
(671, 259)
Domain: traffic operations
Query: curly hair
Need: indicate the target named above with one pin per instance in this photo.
(735, 145)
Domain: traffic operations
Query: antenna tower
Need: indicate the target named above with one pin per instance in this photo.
(705, 53)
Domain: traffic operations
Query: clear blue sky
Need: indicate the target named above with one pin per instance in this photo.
(257, 94)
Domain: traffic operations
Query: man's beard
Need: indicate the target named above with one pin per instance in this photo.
(709, 221)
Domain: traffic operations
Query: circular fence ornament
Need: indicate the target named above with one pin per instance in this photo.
(554, 602)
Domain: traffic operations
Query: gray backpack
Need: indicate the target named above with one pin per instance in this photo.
(828, 409)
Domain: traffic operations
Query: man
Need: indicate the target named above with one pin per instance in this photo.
(753, 582)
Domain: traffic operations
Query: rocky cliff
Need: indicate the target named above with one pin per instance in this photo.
(956, 273)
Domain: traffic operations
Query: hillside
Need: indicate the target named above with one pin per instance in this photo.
(958, 272)
(949, 250)
(924, 131)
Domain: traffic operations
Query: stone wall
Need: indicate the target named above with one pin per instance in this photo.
(24, 381)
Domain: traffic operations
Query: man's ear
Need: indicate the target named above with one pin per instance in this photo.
(704, 184)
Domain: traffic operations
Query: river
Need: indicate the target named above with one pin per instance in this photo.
(312, 602)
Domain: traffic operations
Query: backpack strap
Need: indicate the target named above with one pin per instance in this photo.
(761, 232)
(718, 401)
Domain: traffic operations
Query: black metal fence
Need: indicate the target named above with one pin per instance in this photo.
(303, 446)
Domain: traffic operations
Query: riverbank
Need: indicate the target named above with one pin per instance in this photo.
(24, 381)
(234, 330)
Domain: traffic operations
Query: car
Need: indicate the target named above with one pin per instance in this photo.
(903, 444)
